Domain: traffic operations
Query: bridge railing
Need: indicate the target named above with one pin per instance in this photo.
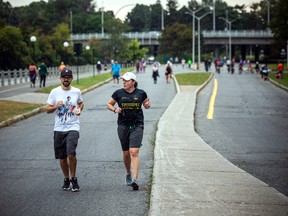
(240, 33)
(13, 77)
(141, 36)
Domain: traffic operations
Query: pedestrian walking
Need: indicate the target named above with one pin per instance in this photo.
(32, 74)
(137, 66)
(116, 70)
(43, 72)
(130, 122)
(155, 72)
(62, 66)
(98, 67)
(67, 103)
(169, 71)
(183, 63)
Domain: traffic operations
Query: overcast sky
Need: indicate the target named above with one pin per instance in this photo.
(122, 8)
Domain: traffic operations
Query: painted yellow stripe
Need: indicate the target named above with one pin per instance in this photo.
(212, 101)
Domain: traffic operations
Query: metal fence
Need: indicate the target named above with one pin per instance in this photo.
(13, 77)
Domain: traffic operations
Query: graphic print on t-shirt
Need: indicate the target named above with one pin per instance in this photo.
(126, 103)
(66, 110)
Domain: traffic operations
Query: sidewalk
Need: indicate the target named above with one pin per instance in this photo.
(190, 178)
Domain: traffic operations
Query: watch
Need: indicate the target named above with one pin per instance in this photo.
(114, 110)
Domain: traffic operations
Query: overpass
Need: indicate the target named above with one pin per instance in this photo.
(243, 38)
(145, 38)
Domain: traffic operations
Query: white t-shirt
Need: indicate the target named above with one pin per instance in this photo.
(65, 117)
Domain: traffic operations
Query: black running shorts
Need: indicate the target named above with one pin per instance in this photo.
(65, 143)
(130, 136)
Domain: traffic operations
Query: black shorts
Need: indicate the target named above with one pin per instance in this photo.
(65, 143)
(130, 136)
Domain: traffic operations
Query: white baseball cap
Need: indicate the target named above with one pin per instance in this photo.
(128, 76)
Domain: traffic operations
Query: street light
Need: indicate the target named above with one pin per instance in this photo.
(199, 33)
(192, 13)
(33, 40)
(122, 8)
(214, 22)
(87, 48)
(268, 12)
(230, 41)
(66, 45)
(162, 18)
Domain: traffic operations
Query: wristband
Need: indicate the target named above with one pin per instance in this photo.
(114, 110)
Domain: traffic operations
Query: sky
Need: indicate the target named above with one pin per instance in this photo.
(122, 6)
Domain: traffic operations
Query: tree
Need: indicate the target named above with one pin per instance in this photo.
(279, 22)
(139, 18)
(176, 40)
(172, 15)
(156, 17)
(134, 51)
(13, 50)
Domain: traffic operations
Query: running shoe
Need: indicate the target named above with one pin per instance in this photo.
(128, 179)
(75, 186)
(135, 185)
(66, 185)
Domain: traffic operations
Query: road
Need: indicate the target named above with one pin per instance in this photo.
(249, 126)
(31, 179)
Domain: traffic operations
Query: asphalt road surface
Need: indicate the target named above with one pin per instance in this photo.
(31, 178)
(249, 127)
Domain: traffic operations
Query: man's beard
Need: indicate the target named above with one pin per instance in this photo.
(66, 83)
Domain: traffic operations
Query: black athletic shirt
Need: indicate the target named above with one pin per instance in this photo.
(130, 103)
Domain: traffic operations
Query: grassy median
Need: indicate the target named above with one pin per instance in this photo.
(192, 78)
(283, 81)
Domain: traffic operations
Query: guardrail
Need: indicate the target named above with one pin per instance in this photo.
(241, 33)
(153, 35)
(13, 77)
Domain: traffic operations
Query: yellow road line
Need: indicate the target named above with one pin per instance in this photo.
(212, 101)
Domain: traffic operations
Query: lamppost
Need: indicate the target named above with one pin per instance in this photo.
(199, 33)
(268, 12)
(93, 54)
(87, 48)
(230, 40)
(162, 18)
(192, 13)
(214, 22)
(33, 40)
(66, 45)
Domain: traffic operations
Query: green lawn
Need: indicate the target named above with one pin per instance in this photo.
(10, 109)
(192, 78)
(85, 83)
(283, 81)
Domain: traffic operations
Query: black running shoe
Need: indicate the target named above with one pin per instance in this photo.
(135, 185)
(66, 185)
(75, 186)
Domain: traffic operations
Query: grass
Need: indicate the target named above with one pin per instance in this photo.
(192, 78)
(10, 109)
(85, 83)
(283, 81)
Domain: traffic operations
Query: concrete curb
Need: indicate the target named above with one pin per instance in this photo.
(21, 117)
(278, 84)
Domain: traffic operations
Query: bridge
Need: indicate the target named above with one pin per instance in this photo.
(145, 38)
(254, 39)
(243, 37)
